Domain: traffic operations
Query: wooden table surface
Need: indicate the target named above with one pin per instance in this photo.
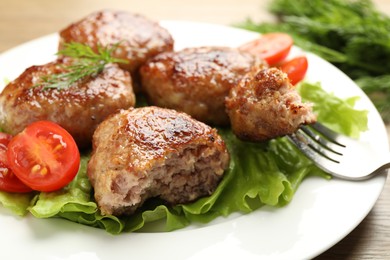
(23, 20)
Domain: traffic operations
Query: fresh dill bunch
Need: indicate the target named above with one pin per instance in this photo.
(378, 89)
(85, 62)
(351, 34)
(300, 40)
(352, 27)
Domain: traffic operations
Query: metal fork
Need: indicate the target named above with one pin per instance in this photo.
(339, 155)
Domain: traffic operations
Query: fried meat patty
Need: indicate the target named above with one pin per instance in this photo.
(78, 108)
(137, 38)
(264, 105)
(196, 80)
(154, 152)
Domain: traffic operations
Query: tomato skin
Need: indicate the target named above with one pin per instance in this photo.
(295, 69)
(272, 47)
(44, 156)
(8, 181)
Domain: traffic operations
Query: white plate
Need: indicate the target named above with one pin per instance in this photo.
(321, 213)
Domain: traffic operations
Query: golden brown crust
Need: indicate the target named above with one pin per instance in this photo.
(264, 105)
(78, 108)
(138, 38)
(147, 152)
(196, 80)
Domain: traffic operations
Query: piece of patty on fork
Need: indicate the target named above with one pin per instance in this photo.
(265, 105)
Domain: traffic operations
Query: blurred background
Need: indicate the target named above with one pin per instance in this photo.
(23, 20)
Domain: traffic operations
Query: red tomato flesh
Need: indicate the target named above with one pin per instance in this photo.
(272, 47)
(295, 69)
(44, 156)
(8, 181)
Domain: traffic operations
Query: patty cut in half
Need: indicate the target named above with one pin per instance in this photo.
(154, 152)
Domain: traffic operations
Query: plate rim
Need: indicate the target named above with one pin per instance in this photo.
(168, 23)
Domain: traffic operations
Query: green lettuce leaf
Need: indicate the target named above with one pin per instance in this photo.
(75, 197)
(75, 203)
(259, 174)
(338, 114)
(17, 203)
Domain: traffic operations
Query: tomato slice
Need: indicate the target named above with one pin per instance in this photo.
(272, 47)
(8, 181)
(44, 156)
(295, 69)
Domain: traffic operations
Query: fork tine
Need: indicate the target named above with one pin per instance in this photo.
(323, 158)
(334, 153)
(329, 134)
(318, 160)
(316, 146)
(325, 141)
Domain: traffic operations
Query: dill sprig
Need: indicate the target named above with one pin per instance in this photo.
(351, 34)
(85, 62)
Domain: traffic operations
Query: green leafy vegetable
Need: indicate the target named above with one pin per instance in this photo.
(18, 203)
(351, 34)
(74, 197)
(259, 174)
(86, 62)
(336, 120)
